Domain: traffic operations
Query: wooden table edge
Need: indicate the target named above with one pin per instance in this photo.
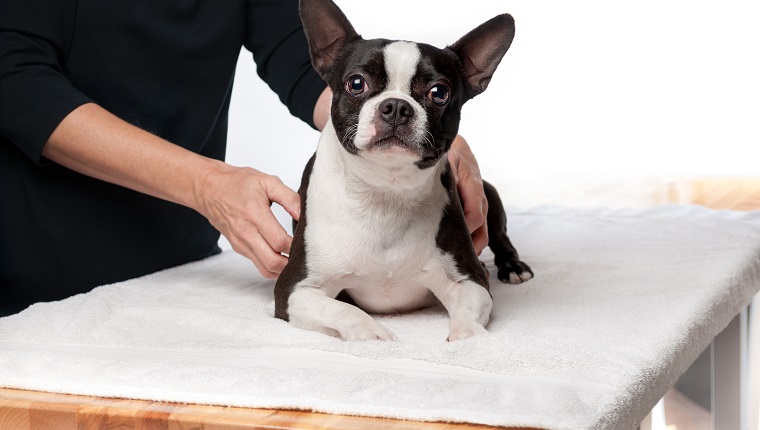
(34, 410)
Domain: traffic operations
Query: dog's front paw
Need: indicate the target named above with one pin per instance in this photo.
(367, 329)
(465, 330)
(514, 272)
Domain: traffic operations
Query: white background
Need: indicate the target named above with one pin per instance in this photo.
(592, 89)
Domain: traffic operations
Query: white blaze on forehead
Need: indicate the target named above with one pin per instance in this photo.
(401, 60)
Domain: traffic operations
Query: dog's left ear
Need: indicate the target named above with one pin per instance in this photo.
(482, 49)
(327, 30)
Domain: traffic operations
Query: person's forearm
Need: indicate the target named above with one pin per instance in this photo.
(94, 142)
(235, 200)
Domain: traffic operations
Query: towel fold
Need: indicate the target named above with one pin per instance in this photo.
(623, 301)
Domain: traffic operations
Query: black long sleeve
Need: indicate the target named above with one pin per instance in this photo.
(166, 66)
(35, 95)
(279, 45)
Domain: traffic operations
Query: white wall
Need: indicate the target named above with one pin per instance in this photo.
(589, 88)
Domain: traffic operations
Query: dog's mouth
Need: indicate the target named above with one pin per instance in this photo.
(392, 141)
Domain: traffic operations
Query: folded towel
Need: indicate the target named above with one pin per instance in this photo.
(622, 302)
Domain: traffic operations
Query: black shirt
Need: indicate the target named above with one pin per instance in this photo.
(166, 66)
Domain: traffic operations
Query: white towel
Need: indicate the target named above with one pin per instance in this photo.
(622, 302)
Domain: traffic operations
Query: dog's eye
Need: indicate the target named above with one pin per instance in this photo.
(356, 85)
(439, 95)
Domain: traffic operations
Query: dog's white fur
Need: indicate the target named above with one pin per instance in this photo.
(372, 221)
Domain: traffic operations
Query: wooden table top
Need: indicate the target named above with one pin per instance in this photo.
(27, 410)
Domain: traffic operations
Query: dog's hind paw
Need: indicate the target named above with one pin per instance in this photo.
(514, 272)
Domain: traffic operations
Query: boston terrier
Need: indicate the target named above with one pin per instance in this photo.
(382, 229)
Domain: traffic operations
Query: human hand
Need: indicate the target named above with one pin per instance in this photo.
(470, 187)
(237, 201)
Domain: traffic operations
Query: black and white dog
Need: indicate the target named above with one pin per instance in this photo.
(382, 228)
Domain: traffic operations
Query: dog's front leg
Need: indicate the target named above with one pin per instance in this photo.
(469, 307)
(311, 309)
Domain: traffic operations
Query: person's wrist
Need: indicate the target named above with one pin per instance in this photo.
(203, 182)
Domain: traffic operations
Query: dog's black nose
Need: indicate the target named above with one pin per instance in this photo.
(396, 111)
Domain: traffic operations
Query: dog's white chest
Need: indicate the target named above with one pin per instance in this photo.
(381, 247)
(399, 280)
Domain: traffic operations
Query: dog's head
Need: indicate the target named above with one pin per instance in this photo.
(397, 97)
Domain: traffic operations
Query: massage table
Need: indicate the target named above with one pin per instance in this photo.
(624, 300)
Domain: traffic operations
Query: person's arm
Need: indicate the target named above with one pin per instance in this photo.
(236, 201)
(47, 117)
(34, 93)
(275, 37)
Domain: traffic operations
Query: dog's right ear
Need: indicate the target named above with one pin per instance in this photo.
(327, 30)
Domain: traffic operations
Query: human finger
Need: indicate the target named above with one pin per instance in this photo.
(270, 263)
(245, 248)
(279, 193)
(272, 231)
(480, 239)
(472, 195)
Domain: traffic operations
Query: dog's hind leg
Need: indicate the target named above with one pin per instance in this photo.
(510, 268)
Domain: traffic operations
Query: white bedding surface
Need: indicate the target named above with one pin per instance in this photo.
(623, 301)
